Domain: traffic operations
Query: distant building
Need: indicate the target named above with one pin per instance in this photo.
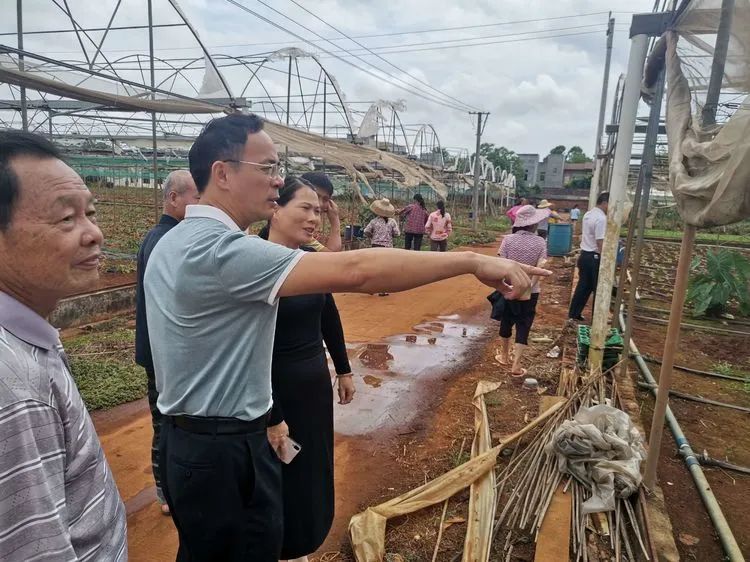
(582, 170)
(553, 172)
(530, 168)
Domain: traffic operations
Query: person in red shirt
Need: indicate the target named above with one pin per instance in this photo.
(416, 216)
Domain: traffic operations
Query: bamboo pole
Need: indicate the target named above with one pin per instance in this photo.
(670, 348)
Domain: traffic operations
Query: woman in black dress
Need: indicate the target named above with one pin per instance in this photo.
(302, 392)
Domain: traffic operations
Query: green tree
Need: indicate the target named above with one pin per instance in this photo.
(579, 183)
(559, 149)
(576, 155)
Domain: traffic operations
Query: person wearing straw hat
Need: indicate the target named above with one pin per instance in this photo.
(383, 228)
(543, 226)
(525, 247)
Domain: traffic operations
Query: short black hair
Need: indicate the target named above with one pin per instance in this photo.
(603, 198)
(14, 144)
(222, 138)
(319, 180)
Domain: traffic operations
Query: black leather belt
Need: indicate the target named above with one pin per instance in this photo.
(219, 426)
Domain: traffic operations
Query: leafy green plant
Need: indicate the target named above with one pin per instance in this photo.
(364, 216)
(724, 280)
(726, 368)
(497, 224)
(470, 238)
(107, 383)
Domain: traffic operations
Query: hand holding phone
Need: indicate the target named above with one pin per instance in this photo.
(287, 450)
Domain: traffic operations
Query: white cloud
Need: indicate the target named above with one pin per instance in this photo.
(540, 93)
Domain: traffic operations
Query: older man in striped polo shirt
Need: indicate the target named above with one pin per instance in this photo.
(58, 499)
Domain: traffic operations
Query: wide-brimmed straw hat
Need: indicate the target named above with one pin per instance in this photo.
(544, 204)
(528, 215)
(383, 208)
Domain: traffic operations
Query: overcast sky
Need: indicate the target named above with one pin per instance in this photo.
(540, 93)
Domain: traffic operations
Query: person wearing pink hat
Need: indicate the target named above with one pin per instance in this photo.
(515, 208)
(524, 246)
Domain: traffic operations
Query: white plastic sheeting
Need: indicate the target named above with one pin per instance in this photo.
(369, 125)
(603, 450)
(709, 167)
(108, 93)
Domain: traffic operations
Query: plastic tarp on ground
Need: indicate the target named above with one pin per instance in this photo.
(367, 529)
(709, 167)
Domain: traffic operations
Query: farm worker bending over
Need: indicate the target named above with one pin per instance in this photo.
(211, 300)
(59, 500)
(179, 191)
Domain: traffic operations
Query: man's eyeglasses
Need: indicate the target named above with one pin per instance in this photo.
(271, 170)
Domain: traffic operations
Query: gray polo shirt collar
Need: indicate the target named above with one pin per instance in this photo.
(26, 324)
(210, 212)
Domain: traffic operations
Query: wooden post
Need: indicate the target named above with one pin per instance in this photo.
(670, 348)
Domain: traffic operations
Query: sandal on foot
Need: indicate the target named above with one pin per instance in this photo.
(519, 375)
(499, 359)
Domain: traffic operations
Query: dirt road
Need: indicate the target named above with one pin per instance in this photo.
(406, 345)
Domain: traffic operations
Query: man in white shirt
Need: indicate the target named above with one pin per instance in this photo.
(592, 238)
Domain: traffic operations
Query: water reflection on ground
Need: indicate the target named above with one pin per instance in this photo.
(389, 374)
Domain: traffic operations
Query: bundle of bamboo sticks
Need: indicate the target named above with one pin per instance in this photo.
(527, 484)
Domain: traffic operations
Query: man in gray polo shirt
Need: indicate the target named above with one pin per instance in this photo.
(58, 500)
(211, 301)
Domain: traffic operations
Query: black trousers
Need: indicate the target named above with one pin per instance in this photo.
(224, 493)
(520, 314)
(588, 276)
(156, 419)
(413, 241)
(438, 245)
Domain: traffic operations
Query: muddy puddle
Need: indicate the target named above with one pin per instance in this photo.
(389, 374)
